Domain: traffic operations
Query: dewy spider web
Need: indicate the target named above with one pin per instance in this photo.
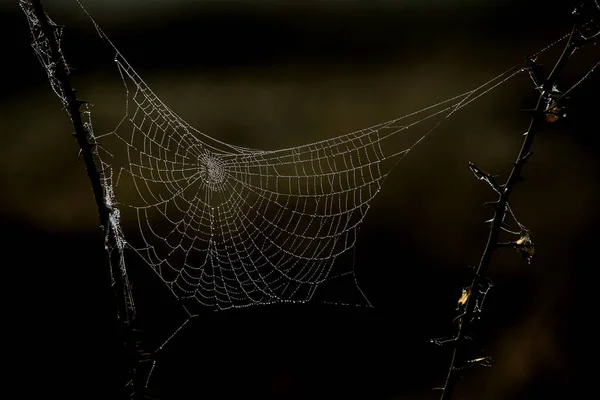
(229, 226)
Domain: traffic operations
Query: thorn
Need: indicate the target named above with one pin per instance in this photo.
(534, 73)
(519, 161)
(486, 281)
(505, 225)
(526, 156)
(531, 61)
(80, 103)
(502, 224)
(483, 176)
(443, 341)
(494, 204)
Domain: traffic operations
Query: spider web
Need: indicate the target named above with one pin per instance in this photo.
(229, 226)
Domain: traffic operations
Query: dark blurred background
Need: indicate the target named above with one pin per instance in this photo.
(267, 74)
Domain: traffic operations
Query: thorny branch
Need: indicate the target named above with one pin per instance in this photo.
(45, 38)
(547, 109)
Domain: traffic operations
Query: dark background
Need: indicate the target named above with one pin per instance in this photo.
(268, 74)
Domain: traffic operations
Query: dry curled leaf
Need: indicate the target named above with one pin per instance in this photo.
(464, 297)
(526, 246)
